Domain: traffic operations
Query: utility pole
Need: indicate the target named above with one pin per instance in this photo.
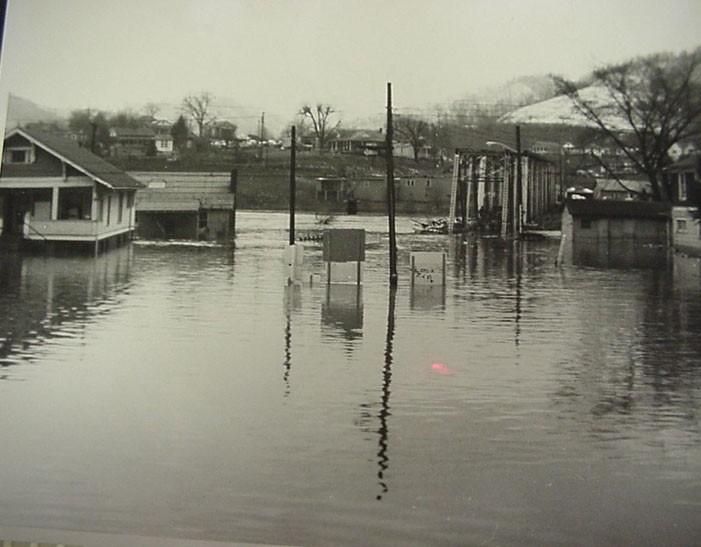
(518, 228)
(262, 133)
(390, 192)
(293, 152)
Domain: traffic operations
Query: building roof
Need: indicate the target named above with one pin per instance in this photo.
(686, 163)
(78, 157)
(608, 208)
(132, 132)
(632, 185)
(183, 191)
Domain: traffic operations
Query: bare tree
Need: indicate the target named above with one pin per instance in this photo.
(151, 109)
(658, 100)
(319, 117)
(415, 130)
(198, 108)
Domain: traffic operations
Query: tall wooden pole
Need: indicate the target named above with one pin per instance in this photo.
(519, 186)
(390, 192)
(293, 182)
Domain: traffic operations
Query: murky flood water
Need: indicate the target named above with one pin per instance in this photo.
(183, 391)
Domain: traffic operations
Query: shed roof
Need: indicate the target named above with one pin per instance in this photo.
(78, 157)
(607, 208)
(184, 192)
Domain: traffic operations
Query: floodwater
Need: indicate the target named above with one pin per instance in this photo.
(182, 391)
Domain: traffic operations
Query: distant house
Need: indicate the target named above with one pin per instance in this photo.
(222, 133)
(185, 206)
(406, 150)
(52, 190)
(685, 175)
(132, 142)
(330, 188)
(622, 189)
(368, 143)
(546, 148)
(612, 233)
(165, 144)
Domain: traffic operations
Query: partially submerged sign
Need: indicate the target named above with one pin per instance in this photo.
(344, 254)
(427, 268)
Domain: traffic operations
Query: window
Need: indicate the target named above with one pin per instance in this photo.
(19, 155)
(74, 203)
(121, 206)
(681, 226)
(109, 209)
(681, 179)
(202, 219)
(428, 183)
(410, 182)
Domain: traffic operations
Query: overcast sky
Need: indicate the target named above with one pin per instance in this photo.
(273, 56)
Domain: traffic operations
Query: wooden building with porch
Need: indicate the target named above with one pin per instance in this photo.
(52, 191)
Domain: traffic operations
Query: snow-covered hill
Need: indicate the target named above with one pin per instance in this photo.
(561, 110)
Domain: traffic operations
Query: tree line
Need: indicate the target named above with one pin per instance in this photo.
(655, 101)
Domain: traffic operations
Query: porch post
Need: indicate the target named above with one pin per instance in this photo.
(93, 206)
(54, 202)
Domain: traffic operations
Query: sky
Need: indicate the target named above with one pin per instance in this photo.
(274, 56)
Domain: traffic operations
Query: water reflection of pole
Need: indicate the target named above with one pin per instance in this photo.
(288, 352)
(292, 300)
(383, 431)
(517, 272)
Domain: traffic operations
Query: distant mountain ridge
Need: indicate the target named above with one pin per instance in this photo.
(23, 111)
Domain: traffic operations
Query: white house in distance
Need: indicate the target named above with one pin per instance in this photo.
(53, 191)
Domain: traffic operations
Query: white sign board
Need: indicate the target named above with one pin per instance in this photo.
(427, 268)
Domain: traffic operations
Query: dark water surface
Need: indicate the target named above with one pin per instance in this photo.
(183, 391)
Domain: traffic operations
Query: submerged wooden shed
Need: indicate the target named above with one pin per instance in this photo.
(615, 233)
(185, 206)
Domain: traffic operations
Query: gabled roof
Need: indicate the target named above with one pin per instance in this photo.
(78, 157)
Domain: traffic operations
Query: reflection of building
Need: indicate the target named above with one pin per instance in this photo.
(54, 293)
(52, 190)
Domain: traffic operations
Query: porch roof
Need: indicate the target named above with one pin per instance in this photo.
(80, 158)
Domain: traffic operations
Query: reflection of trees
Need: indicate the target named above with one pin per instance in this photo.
(42, 297)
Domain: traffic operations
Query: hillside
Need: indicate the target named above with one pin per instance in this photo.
(561, 110)
(24, 111)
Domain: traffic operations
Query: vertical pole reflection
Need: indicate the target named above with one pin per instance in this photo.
(293, 298)
(517, 273)
(383, 431)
